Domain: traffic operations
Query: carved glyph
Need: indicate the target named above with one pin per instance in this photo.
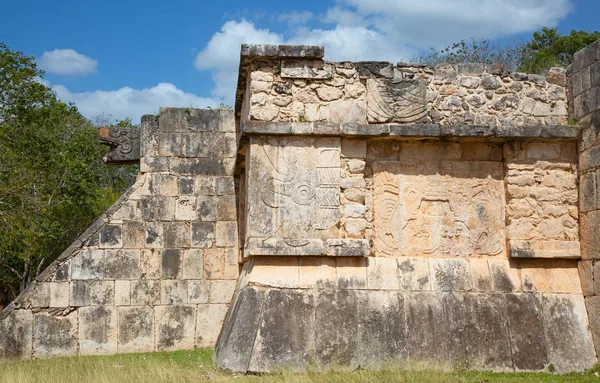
(293, 192)
(396, 100)
(436, 213)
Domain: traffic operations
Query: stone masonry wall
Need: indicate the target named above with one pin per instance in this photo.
(380, 92)
(157, 271)
(404, 213)
(584, 107)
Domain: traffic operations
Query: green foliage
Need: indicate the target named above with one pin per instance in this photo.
(53, 182)
(548, 49)
(475, 51)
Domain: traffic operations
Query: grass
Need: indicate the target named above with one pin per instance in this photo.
(197, 366)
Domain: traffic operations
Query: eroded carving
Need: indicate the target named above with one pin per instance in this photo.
(124, 143)
(293, 191)
(396, 100)
(436, 213)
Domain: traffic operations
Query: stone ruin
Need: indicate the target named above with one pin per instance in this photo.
(345, 215)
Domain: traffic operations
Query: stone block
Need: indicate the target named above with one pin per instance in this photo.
(284, 341)
(55, 336)
(239, 330)
(203, 234)
(127, 211)
(526, 328)
(109, 264)
(176, 234)
(175, 327)
(427, 339)
(134, 235)
(186, 186)
(536, 276)
(569, 341)
(221, 291)
(204, 186)
(382, 274)
(145, 293)
(226, 208)
(185, 209)
(480, 274)
(209, 319)
(171, 263)
(198, 291)
(414, 274)
(163, 184)
(41, 295)
(122, 293)
(337, 326)
(226, 234)
(280, 272)
(213, 263)
(16, 331)
(224, 186)
(154, 164)
(59, 294)
(79, 294)
(281, 247)
(593, 308)
(381, 330)
(173, 292)
(477, 331)
(157, 208)
(351, 273)
(317, 272)
(589, 226)
(151, 263)
(192, 264)
(505, 275)
(110, 237)
(97, 330)
(354, 148)
(101, 293)
(449, 274)
(154, 235)
(348, 247)
(135, 329)
(544, 249)
(207, 208)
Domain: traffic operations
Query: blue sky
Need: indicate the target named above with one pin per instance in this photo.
(128, 58)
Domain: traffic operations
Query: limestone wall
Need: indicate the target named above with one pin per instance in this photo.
(311, 90)
(157, 271)
(584, 107)
(403, 213)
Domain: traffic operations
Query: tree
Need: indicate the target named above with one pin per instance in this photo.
(53, 182)
(546, 49)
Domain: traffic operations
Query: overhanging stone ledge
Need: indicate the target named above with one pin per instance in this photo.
(567, 132)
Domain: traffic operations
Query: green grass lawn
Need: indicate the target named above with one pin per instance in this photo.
(197, 366)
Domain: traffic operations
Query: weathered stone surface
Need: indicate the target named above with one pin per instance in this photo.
(425, 318)
(136, 329)
(437, 210)
(54, 336)
(529, 350)
(114, 264)
(396, 101)
(337, 323)
(545, 249)
(16, 335)
(175, 327)
(382, 336)
(569, 342)
(209, 320)
(97, 330)
(124, 143)
(284, 341)
(478, 331)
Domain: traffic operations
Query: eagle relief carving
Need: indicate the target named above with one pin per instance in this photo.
(437, 215)
(396, 100)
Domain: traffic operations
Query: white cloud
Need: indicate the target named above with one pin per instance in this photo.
(221, 54)
(67, 62)
(129, 102)
(294, 18)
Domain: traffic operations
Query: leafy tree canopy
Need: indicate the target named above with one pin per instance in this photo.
(53, 182)
(546, 49)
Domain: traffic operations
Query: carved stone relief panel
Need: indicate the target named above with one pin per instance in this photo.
(293, 195)
(396, 100)
(439, 208)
